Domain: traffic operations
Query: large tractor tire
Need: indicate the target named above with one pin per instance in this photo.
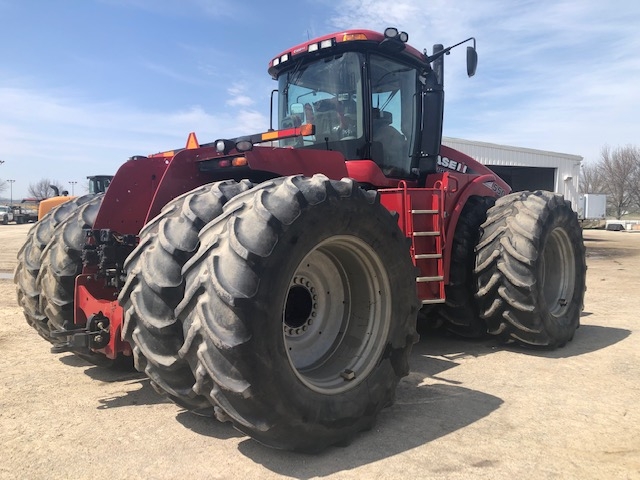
(299, 311)
(531, 269)
(460, 314)
(155, 286)
(30, 262)
(61, 264)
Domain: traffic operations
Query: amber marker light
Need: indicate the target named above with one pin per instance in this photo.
(239, 162)
(348, 37)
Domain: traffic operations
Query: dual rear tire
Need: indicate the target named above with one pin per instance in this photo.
(30, 262)
(530, 269)
(155, 286)
(298, 314)
(460, 314)
(48, 264)
(517, 270)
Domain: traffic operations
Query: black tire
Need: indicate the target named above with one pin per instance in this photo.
(61, 264)
(460, 314)
(155, 286)
(30, 262)
(531, 269)
(271, 276)
(5, 220)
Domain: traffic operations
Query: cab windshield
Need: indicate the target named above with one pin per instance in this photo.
(330, 93)
(99, 184)
(327, 94)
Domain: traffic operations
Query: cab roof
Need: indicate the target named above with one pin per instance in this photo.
(353, 39)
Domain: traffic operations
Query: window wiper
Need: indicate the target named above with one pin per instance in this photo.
(294, 76)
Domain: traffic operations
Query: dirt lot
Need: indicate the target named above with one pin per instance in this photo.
(469, 409)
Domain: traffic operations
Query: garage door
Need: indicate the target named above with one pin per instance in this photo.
(527, 178)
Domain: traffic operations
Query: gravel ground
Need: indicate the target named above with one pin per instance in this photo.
(468, 409)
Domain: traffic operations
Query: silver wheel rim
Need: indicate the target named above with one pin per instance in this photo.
(336, 316)
(558, 272)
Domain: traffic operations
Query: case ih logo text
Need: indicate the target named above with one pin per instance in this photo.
(452, 164)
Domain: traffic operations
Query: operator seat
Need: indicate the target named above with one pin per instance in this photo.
(394, 144)
(327, 120)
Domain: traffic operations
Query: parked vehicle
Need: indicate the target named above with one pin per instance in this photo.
(24, 214)
(279, 285)
(6, 214)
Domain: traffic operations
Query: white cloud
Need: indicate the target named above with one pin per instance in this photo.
(59, 135)
(212, 8)
(375, 13)
(173, 74)
(239, 98)
(552, 74)
(556, 75)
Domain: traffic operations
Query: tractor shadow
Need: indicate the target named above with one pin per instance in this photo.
(144, 394)
(428, 414)
(426, 408)
(102, 374)
(428, 405)
(207, 426)
(587, 339)
(607, 249)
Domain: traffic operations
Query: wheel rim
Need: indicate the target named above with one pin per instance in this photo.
(558, 272)
(336, 316)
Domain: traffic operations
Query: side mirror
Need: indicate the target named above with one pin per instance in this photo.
(296, 109)
(472, 61)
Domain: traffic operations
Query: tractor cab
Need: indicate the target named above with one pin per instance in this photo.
(370, 96)
(99, 183)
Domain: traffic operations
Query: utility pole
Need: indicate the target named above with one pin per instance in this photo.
(11, 189)
(73, 184)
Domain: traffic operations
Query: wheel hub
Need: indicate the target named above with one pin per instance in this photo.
(558, 272)
(336, 314)
(301, 307)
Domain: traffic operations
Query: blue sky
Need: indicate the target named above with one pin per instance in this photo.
(85, 84)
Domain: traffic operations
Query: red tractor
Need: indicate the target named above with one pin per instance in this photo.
(279, 285)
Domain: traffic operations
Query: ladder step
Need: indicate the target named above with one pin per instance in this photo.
(434, 300)
(426, 234)
(427, 255)
(419, 212)
(429, 279)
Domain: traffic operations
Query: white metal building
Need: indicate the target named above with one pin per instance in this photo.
(526, 168)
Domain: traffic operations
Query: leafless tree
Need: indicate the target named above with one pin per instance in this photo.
(42, 188)
(591, 180)
(635, 182)
(619, 168)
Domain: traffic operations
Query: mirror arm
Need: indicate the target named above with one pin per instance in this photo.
(446, 51)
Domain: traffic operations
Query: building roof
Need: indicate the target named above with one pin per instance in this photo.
(495, 154)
